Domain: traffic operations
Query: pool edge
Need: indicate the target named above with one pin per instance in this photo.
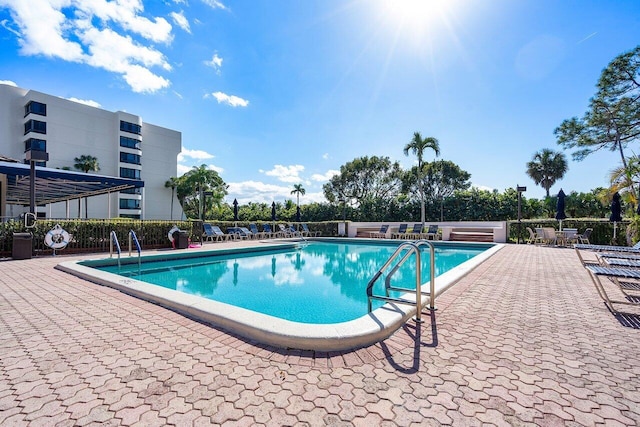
(269, 330)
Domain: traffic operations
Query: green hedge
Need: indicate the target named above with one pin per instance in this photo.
(93, 235)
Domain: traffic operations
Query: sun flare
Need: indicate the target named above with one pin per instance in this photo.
(416, 18)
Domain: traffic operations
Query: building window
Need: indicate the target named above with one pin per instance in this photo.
(134, 190)
(130, 127)
(35, 126)
(129, 142)
(129, 204)
(34, 107)
(130, 158)
(129, 173)
(35, 145)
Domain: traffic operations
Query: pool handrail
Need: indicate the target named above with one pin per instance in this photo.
(413, 248)
(114, 241)
(133, 238)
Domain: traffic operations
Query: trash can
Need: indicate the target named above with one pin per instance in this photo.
(22, 246)
(180, 239)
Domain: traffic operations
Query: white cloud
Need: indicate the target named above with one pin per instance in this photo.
(216, 4)
(325, 156)
(181, 21)
(231, 100)
(8, 83)
(286, 173)
(260, 192)
(326, 176)
(194, 154)
(80, 31)
(182, 168)
(88, 102)
(215, 63)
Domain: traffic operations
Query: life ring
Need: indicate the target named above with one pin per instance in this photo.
(173, 230)
(57, 238)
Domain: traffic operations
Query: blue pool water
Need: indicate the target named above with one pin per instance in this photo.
(317, 283)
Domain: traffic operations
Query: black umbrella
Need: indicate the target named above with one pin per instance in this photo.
(560, 215)
(298, 214)
(273, 211)
(616, 212)
(235, 211)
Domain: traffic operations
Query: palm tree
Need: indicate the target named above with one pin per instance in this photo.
(298, 190)
(417, 146)
(547, 167)
(86, 163)
(171, 183)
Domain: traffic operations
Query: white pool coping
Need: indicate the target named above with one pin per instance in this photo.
(270, 330)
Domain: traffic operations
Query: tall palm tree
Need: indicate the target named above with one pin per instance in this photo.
(171, 183)
(298, 190)
(417, 146)
(547, 167)
(86, 163)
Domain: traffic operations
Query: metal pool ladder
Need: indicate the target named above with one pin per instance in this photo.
(114, 244)
(409, 248)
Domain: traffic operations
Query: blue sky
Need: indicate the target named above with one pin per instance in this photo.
(279, 92)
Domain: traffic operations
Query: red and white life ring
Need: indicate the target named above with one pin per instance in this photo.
(57, 238)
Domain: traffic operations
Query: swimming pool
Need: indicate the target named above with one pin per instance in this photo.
(310, 296)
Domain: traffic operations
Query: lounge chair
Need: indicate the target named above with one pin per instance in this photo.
(308, 233)
(266, 229)
(608, 248)
(625, 286)
(258, 234)
(380, 234)
(288, 231)
(401, 233)
(416, 232)
(213, 233)
(432, 232)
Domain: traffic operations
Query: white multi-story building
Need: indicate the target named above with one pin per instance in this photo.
(124, 146)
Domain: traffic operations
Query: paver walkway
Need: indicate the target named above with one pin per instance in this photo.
(521, 340)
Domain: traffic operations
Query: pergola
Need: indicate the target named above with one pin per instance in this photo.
(57, 185)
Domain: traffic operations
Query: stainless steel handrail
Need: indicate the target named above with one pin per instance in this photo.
(410, 248)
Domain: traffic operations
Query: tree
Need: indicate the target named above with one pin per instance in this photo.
(417, 146)
(440, 179)
(365, 178)
(298, 190)
(172, 183)
(192, 186)
(86, 163)
(613, 118)
(546, 168)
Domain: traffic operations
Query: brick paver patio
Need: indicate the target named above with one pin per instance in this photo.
(522, 340)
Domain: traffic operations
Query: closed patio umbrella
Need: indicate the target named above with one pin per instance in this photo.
(616, 212)
(560, 215)
(235, 211)
(273, 215)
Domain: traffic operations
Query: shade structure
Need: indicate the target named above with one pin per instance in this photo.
(298, 214)
(616, 208)
(273, 211)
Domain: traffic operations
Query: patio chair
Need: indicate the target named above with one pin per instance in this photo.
(624, 286)
(266, 229)
(584, 237)
(308, 233)
(288, 231)
(380, 234)
(432, 232)
(401, 233)
(533, 238)
(550, 236)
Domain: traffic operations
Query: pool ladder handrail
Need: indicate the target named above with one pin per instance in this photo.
(409, 248)
(113, 241)
(134, 239)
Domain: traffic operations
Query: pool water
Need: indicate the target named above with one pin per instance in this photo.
(318, 283)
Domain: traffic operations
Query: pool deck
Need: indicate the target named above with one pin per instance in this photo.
(523, 339)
